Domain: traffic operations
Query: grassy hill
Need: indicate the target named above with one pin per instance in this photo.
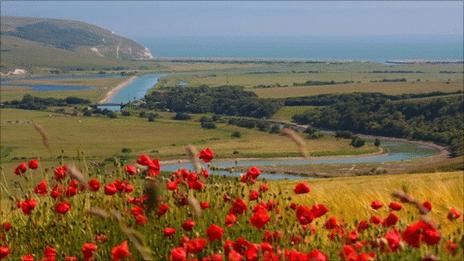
(28, 43)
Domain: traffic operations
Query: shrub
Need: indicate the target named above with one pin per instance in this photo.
(208, 125)
(182, 116)
(126, 150)
(357, 142)
(344, 134)
(236, 134)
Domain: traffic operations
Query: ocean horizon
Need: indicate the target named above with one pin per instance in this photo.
(340, 48)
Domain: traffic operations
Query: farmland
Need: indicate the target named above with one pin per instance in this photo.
(165, 137)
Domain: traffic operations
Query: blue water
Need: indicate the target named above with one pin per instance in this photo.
(372, 48)
(397, 151)
(136, 89)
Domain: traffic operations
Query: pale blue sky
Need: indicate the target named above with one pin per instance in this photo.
(145, 19)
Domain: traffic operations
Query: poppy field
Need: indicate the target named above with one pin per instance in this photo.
(138, 212)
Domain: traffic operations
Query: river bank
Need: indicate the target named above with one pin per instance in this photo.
(111, 93)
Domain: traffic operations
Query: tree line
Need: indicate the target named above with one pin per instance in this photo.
(29, 102)
(438, 120)
(226, 100)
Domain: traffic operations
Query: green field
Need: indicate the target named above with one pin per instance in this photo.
(101, 137)
(276, 80)
(286, 112)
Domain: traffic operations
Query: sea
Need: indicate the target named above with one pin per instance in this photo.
(339, 48)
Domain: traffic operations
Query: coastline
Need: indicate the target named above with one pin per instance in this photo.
(110, 94)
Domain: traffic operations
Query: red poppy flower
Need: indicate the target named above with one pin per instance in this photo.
(264, 187)
(206, 155)
(234, 256)
(33, 164)
(253, 172)
(62, 207)
(60, 172)
(41, 188)
(88, 249)
(56, 192)
(188, 225)
(27, 258)
(421, 231)
(162, 209)
(213, 257)
(317, 255)
(50, 253)
(94, 184)
(395, 206)
(27, 205)
(196, 245)
(4, 251)
(120, 251)
(20, 169)
(6, 226)
(71, 191)
(304, 215)
(348, 253)
(390, 220)
(141, 219)
(393, 238)
(260, 218)
(231, 219)
(453, 214)
(204, 205)
(144, 160)
(427, 205)
(169, 231)
(172, 185)
(302, 188)
(71, 258)
(178, 254)
(376, 220)
(131, 169)
(331, 223)
(431, 236)
(238, 207)
(214, 232)
(451, 247)
(254, 195)
(319, 210)
(294, 255)
(363, 225)
(376, 204)
(110, 189)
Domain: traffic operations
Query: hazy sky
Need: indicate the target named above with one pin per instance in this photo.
(145, 19)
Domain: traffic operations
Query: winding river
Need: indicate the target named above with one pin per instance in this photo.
(396, 150)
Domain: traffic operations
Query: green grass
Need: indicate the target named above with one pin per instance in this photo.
(101, 137)
(287, 74)
(286, 112)
(387, 88)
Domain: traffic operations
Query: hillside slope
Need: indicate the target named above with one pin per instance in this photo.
(29, 42)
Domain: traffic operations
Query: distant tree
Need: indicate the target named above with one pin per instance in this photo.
(377, 142)
(182, 116)
(357, 142)
(236, 134)
(208, 125)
